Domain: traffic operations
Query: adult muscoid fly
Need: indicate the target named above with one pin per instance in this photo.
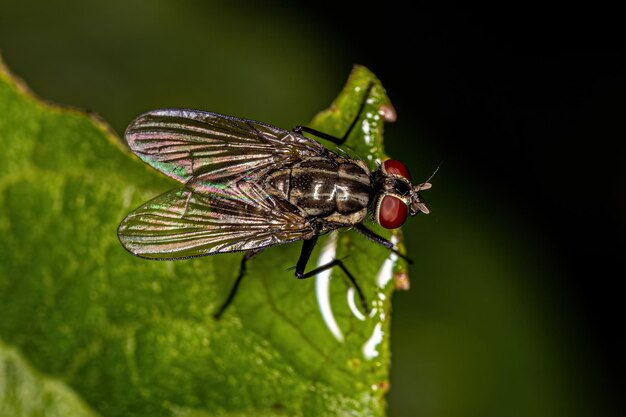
(249, 186)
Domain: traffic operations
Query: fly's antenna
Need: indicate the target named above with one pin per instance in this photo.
(426, 184)
(434, 172)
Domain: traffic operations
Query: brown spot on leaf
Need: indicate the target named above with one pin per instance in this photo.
(388, 112)
(401, 280)
(278, 407)
(383, 386)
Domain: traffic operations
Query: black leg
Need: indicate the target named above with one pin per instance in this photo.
(233, 291)
(380, 240)
(334, 139)
(331, 138)
(305, 255)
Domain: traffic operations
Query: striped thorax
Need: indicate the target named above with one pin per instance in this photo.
(337, 190)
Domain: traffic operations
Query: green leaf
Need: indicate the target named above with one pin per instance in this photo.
(23, 392)
(135, 337)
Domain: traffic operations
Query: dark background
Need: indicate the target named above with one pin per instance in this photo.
(516, 306)
(528, 99)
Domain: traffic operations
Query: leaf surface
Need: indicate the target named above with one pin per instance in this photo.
(124, 336)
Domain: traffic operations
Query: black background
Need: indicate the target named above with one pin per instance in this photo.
(530, 100)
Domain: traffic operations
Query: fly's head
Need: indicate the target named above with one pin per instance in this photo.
(395, 197)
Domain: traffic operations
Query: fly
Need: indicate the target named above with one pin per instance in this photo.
(249, 185)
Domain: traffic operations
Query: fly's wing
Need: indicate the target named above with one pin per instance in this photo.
(183, 224)
(214, 149)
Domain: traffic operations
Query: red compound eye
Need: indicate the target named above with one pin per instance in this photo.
(393, 166)
(392, 212)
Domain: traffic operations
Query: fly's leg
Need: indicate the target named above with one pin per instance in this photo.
(334, 139)
(380, 241)
(233, 291)
(339, 263)
(330, 138)
(305, 254)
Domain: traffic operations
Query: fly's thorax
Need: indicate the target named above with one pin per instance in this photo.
(337, 190)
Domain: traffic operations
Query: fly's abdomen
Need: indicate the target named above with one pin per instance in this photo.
(338, 192)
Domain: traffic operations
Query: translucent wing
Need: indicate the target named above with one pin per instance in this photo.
(184, 224)
(213, 148)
